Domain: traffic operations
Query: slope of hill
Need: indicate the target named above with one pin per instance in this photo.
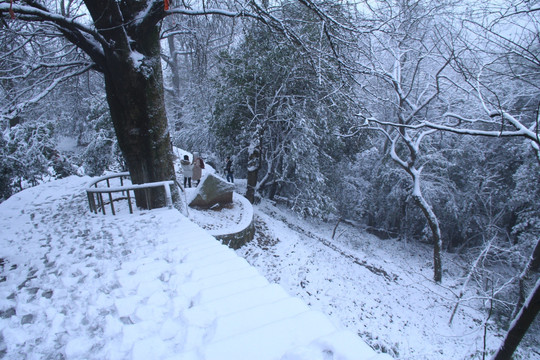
(381, 289)
(148, 285)
(93, 268)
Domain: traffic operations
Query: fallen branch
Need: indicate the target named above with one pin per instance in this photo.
(482, 254)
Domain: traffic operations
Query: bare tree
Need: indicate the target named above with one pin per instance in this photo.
(499, 61)
(193, 46)
(401, 72)
(34, 61)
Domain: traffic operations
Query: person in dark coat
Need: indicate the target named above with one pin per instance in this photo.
(229, 170)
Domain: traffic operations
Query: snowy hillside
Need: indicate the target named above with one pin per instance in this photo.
(77, 286)
(152, 285)
(381, 289)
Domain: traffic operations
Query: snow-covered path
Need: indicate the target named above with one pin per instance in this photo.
(152, 285)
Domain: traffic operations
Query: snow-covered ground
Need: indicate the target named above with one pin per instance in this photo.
(380, 289)
(151, 285)
(76, 285)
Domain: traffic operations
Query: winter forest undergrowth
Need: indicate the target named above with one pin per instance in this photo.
(380, 289)
(415, 121)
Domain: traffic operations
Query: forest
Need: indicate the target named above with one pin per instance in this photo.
(417, 120)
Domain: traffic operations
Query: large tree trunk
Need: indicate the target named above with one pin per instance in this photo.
(520, 325)
(135, 97)
(532, 266)
(134, 86)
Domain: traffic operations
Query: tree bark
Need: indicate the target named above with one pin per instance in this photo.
(252, 174)
(532, 265)
(436, 233)
(134, 87)
(520, 325)
(254, 164)
(431, 218)
(136, 102)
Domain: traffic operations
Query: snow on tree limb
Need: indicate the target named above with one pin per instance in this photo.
(204, 12)
(13, 112)
(68, 23)
(520, 324)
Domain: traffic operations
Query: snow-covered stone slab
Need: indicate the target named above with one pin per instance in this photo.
(341, 344)
(230, 287)
(273, 339)
(253, 318)
(243, 301)
(152, 285)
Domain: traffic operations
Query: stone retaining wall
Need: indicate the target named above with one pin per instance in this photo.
(244, 232)
(236, 240)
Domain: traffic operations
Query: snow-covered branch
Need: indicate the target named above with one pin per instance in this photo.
(457, 128)
(14, 111)
(70, 24)
(206, 12)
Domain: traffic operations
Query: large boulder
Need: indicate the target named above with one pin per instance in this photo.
(211, 191)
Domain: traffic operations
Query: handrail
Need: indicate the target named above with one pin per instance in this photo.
(110, 176)
(130, 187)
(95, 193)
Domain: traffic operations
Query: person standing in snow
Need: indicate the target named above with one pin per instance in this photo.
(198, 165)
(228, 170)
(187, 170)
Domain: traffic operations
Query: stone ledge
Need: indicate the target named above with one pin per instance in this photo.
(243, 232)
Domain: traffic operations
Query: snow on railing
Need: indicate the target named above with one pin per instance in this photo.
(95, 193)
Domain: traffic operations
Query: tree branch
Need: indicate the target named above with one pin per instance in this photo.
(84, 37)
(14, 112)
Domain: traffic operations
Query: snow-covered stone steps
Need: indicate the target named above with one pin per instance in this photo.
(253, 319)
(152, 285)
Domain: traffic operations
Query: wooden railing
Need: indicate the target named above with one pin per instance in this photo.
(97, 201)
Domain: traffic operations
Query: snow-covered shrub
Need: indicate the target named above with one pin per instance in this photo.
(6, 171)
(189, 128)
(525, 200)
(98, 156)
(101, 150)
(28, 155)
(384, 201)
(351, 181)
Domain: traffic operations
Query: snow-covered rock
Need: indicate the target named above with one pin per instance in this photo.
(211, 191)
